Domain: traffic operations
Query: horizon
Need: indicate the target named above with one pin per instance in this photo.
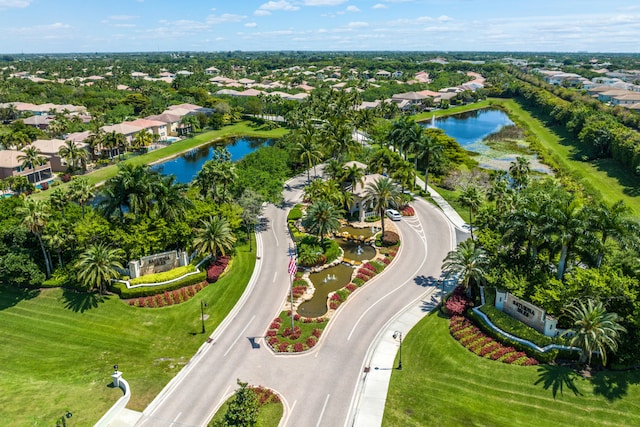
(139, 26)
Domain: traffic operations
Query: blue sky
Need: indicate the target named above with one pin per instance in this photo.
(50, 26)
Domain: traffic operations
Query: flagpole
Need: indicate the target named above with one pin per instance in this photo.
(291, 294)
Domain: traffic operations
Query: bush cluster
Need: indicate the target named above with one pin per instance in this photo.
(167, 298)
(474, 340)
(165, 276)
(390, 238)
(457, 303)
(408, 211)
(144, 291)
(265, 395)
(216, 268)
(282, 339)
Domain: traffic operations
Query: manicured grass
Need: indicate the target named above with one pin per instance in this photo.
(58, 347)
(244, 128)
(608, 177)
(444, 384)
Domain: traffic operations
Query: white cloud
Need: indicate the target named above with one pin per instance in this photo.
(8, 4)
(358, 24)
(225, 17)
(261, 12)
(323, 2)
(379, 6)
(352, 9)
(250, 25)
(122, 17)
(278, 5)
(124, 25)
(444, 18)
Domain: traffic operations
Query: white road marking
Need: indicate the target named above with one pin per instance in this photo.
(323, 408)
(274, 276)
(175, 420)
(239, 336)
(273, 230)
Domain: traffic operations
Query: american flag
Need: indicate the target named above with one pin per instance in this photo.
(293, 267)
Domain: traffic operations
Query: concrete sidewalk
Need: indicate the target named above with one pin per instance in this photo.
(368, 407)
(449, 212)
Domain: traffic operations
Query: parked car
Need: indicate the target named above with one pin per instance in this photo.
(394, 215)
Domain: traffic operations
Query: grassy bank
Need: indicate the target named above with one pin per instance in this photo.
(444, 384)
(59, 347)
(244, 128)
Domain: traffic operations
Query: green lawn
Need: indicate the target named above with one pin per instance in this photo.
(444, 384)
(58, 347)
(269, 415)
(244, 128)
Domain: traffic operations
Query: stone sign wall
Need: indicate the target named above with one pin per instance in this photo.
(525, 312)
(157, 263)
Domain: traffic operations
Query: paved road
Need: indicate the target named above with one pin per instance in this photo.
(318, 388)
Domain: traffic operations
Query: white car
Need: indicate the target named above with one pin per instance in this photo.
(394, 215)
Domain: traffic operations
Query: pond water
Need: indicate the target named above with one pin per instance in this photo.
(357, 232)
(472, 131)
(470, 128)
(325, 281)
(355, 251)
(186, 166)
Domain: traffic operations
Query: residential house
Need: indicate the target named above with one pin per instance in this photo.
(11, 166)
(383, 74)
(50, 148)
(170, 120)
(212, 71)
(359, 191)
(155, 127)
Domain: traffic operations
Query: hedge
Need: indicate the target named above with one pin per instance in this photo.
(515, 327)
(164, 276)
(295, 213)
(144, 291)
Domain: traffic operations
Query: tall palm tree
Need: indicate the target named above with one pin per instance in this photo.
(306, 150)
(81, 192)
(381, 194)
(429, 149)
(567, 221)
(613, 221)
(400, 133)
(143, 139)
(520, 171)
(73, 155)
(57, 237)
(471, 197)
(170, 200)
(59, 200)
(32, 158)
(354, 175)
(468, 262)
(322, 218)
(35, 216)
(404, 173)
(594, 329)
(214, 237)
(97, 265)
(251, 204)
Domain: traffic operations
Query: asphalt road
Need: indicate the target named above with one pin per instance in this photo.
(318, 387)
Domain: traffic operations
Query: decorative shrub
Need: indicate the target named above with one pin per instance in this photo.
(295, 213)
(216, 268)
(311, 341)
(44, 186)
(65, 177)
(390, 238)
(298, 347)
(316, 332)
(283, 347)
(408, 211)
(458, 302)
(125, 293)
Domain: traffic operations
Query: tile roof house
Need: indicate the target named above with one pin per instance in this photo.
(154, 126)
(10, 165)
(170, 120)
(50, 148)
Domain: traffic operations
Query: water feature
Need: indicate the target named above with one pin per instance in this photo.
(186, 166)
(325, 281)
(355, 251)
(357, 232)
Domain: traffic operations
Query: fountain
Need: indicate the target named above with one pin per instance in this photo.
(359, 250)
(325, 282)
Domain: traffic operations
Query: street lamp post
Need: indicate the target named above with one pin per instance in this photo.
(397, 335)
(202, 306)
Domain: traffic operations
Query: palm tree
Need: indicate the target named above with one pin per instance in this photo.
(471, 197)
(613, 221)
(81, 192)
(59, 200)
(57, 238)
(73, 155)
(519, 171)
(334, 169)
(404, 173)
(306, 150)
(143, 139)
(32, 158)
(214, 237)
(35, 215)
(381, 194)
(354, 175)
(97, 265)
(567, 221)
(468, 262)
(322, 218)
(429, 149)
(594, 329)
(171, 202)
(251, 204)
(400, 133)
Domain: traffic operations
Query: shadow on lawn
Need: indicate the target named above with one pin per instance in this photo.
(557, 378)
(614, 385)
(82, 301)
(10, 296)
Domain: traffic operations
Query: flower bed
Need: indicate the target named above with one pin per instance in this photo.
(484, 346)
(305, 334)
(408, 211)
(167, 298)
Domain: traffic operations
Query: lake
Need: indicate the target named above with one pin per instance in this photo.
(473, 130)
(186, 166)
